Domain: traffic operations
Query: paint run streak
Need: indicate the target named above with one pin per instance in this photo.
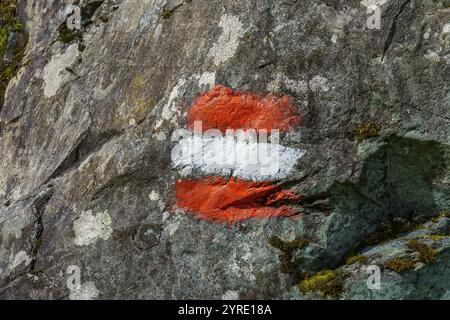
(221, 108)
(229, 201)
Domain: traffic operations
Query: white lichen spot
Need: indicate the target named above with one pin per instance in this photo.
(300, 87)
(230, 295)
(371, 3)
(161, 205)
(446, 28)
(239, 267)
(165, 216)
(228, 42)
(275, 84)
(160, 136)
(55, 71)
(20, 258)
(281, 26)
(170, 109)
(89, 228)
(172, 227)
(88, 291)
(319, 83)
(432, 56)
(207, 79)
(154, 196)
(334, 38)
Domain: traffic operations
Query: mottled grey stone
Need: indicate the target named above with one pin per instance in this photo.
(85, 171)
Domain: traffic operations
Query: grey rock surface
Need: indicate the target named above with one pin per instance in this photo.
(86, 178)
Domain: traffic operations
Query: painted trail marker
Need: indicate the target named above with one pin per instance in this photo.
(233, 143)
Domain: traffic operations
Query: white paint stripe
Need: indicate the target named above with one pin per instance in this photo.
(240, 158)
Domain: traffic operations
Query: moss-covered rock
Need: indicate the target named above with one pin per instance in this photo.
(401, 264)
(327, 282)
(356, 259)
(367, 131)
(13, 41)
(427, 254)
(288, 248)
(66, 35)
(103, 141)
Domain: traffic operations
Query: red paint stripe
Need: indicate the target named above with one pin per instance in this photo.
(221, 108)
(229, 201)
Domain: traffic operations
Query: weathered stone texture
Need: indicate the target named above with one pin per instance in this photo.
(86, 176)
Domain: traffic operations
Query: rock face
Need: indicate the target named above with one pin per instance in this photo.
(86, 177)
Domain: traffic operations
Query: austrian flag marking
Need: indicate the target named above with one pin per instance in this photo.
(233, 145)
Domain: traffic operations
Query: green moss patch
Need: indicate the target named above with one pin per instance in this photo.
(328, 282)
(356, 259)
(437, 237)
(167, 13)
(391, 229)
(367, 131)
(67, 35)
(427, 254)
(401, 265)
(442, 215)
(288, 249)
(11, 24)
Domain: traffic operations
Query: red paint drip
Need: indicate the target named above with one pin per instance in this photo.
(221, 108)
(230, 201)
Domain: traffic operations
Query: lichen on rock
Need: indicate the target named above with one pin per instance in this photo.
(89, 118)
